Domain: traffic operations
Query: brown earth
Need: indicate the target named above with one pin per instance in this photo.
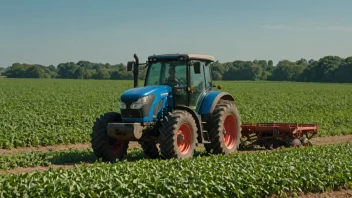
(53, 148)
(44, 148)
(329, 194)
(344, 193)
(315, 141)
(38, 168)
(331, 140)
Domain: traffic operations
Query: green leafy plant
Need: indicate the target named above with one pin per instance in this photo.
(294, 170)
(46, 112)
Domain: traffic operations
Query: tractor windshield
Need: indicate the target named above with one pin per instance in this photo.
(172, 73)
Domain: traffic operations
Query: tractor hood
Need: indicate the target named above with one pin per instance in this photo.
(135, 93)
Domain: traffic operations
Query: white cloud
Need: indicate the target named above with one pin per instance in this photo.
(282, 27)
(297, 27)
(336, 28)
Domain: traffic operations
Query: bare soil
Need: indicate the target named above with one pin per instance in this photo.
(331, 140)
(53, 148)
(344, 193)
(38, 169)
(315, 141)
(329, 194)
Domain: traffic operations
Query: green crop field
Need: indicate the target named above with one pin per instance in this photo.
(313, 169)
(55, 111)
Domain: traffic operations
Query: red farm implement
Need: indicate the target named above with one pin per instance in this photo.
(274, 135)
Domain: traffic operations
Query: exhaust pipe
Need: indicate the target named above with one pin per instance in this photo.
(135, 71)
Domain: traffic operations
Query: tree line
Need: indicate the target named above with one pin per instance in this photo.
(326, 69)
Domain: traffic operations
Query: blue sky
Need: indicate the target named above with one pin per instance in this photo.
(50, 32)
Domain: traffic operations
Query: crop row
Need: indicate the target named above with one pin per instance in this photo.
(313, 169)
(66, 157)
(33, 159)
(71, 156)
(47, 112)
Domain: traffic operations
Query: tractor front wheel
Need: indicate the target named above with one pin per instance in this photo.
(224, 129)
(178, 135)
(105, 147)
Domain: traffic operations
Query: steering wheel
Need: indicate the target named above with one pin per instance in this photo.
(172, 82)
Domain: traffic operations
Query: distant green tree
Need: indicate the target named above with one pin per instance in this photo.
(102, 74)
(309, 73)
(34, 72)
(244, 70)
(85, 64)
(326, 68)
(89, 74)
(265, 75)
(141, 73)
(302, 62)
(286, 70)
(52, 70)
(67, 70)
(16, 70)
(2, 70)
(115, 75)
(311, 61)
(79, 73)
(270, 63)
(344, 71)
(216, 75)
(217, 70)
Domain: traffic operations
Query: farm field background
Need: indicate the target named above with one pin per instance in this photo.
(56, 111)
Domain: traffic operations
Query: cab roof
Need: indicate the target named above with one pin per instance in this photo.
(188, 56)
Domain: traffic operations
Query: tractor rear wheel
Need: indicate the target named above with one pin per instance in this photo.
(225, 129)
(105, 147)
(150, 149)
(178, 135)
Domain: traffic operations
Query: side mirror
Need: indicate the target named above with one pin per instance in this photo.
(219, 86)
(130, 65)
(196, 67)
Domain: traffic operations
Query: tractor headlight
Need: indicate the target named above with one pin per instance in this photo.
(140, 102)
(122, 105)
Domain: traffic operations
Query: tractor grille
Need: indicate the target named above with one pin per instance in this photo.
(137, 113)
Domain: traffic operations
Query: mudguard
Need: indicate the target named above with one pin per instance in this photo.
(211, 99)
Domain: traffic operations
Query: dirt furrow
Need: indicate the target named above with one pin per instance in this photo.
(39, 168)
(316, 141)
(53, 148)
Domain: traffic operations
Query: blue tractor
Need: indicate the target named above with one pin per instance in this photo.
(173, 112)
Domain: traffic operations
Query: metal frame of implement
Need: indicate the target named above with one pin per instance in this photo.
(277, 134)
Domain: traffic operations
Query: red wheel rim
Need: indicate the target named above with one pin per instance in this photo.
(116, 147)
(184, 138)
(230, 131)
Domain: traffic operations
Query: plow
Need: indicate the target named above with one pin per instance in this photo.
(274, 135)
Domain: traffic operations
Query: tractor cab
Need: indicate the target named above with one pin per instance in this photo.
(188, 75)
